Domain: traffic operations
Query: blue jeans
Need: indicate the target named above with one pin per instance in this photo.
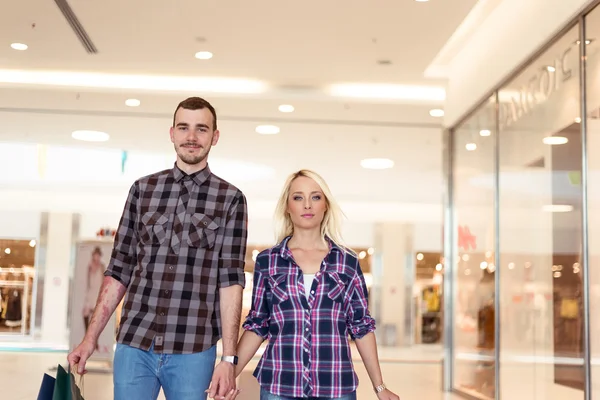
(139, 374)
(264, 395)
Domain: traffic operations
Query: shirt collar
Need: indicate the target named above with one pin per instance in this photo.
(284, 251)
(198, 177)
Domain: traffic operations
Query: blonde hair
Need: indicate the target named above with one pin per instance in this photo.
(331, 225)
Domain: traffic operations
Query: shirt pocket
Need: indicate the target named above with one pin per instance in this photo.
(336, 288)
(154, 228)
(278, 285)
(203, 231)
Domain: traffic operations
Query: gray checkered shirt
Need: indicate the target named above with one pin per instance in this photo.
(181, 238)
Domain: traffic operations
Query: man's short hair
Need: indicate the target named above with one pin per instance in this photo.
(197, 103)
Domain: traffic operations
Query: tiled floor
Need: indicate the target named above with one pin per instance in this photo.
(417, 377)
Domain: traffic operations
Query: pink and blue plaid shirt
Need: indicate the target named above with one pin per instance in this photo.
(308, 354)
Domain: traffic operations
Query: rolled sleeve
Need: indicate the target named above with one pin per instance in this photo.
(233, 251)
(124, 254)
(257, 320)
(359, 320)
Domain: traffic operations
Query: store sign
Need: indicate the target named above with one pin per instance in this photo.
(538, 89)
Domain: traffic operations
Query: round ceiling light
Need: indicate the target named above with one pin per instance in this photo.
(485, 132)
(90, 136)
(555, 140)
(436, 112)
(377, 163)
(471, 146)
(204, 55)
(267, 129)
(132, 102)
(19, 46)
(286, 108)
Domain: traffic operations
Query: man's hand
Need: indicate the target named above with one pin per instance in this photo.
(223, 381)
(80, 355)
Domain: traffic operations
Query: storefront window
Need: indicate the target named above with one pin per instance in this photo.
(17, 273)
(474, 167)
(540, 228)
(593, 162)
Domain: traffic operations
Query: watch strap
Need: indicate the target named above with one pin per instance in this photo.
(230, 359)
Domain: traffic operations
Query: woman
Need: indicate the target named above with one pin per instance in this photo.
(95, 276)
(309, 294)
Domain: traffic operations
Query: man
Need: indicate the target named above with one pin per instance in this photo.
(178, 259)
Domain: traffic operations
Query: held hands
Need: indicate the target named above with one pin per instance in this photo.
(223, 386)
(79, 356)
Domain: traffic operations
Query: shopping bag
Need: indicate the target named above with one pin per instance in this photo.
(65, 387)
(47, 388)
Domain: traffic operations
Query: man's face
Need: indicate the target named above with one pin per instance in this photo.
(193, 135)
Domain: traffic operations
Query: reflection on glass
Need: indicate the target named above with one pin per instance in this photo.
(593, 186)
(474, 368)
(540, 228)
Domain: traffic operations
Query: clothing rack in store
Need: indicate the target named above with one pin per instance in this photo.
(20, 284)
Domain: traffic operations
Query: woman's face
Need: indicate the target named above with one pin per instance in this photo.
(306, 203)
(96, 257)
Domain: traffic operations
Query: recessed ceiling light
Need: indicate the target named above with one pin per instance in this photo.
(421, 1)
(132, 102)
(19, 46)
(204, 55)
(90, 136)
(557, 208)
(485, 132)
(550, 68)
(376, 163)
(286, 108)
(577, 120)
(267, 129)
(471, 146)
(555, 140)
(436, 112)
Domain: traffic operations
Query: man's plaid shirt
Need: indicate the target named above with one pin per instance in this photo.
(181, 238)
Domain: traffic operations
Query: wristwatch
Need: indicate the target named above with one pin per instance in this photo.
(230, 359)
(380, 388)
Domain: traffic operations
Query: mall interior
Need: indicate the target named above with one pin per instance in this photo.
(457, 137)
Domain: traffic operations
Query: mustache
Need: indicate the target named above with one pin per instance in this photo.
(190, 144)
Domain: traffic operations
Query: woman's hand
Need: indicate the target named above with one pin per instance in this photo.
(387, 395)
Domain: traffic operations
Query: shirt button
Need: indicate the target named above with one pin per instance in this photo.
(171, 267)
(306, 329)
(162, 313)
(306, 350)
(312, 291)
(166, 292)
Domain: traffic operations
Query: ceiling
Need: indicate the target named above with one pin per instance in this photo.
(309, 43)
(264, 54)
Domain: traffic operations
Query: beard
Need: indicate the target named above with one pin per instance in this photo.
(191, 159)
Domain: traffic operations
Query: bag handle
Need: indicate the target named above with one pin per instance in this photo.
(75, 374)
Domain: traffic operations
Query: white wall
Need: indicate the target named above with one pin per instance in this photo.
(510, 34)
